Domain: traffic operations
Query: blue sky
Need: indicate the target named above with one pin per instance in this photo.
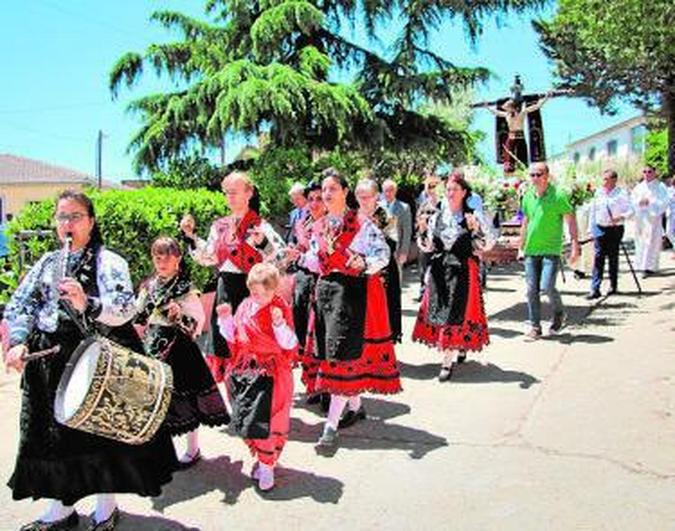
(56, 57)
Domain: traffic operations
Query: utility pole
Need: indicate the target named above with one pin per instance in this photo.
(99, 159)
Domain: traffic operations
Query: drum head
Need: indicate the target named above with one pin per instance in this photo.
(76, 379)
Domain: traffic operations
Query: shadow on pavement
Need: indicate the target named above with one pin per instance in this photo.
(291, 484)
(375, 433)
(207, 475)
(427, 371)
(474, 372)
(136, 522)
(227, 476)
(507, 333)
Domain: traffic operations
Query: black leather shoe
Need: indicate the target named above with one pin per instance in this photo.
(69, 522)
(613, 291)
(313, 399)
(352, 417)
(593, 295)
(108, 524)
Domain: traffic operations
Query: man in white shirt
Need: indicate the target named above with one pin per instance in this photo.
(608, 211)
(670, 225)
(650, 200)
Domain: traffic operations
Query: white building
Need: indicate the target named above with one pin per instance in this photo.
(625, 140)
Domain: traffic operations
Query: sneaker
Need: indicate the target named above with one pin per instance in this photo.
(613, 291)
(461, 358)
(188, 460)
(352, 417)
(557, 324)
(265, 478)
(593, 295)
(533, 334)
(328, 438)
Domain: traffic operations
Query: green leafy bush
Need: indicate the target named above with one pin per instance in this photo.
(129, 220)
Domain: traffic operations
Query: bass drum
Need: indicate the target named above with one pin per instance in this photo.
(111, 391)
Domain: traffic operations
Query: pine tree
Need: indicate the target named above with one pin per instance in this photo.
(273, 65)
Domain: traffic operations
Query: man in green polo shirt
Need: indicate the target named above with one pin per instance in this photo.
(541, 240)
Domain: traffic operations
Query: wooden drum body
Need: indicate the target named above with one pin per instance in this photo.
(111, 391)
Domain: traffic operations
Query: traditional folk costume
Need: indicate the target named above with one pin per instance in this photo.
(648, 227)
(452, 314)
(306, 276)
(351, 327)
(228, 248)
(55, 461)
(391, 273)
(195, 399)
(260, 346)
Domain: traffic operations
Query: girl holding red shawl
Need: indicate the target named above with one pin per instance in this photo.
(235, 244)
(351, 328)
(262, 340)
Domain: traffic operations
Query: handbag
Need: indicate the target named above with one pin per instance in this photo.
(251, 404)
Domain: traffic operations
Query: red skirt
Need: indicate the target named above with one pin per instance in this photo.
(376, 370)
(471, 334)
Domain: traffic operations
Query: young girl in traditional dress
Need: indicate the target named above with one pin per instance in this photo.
(170, 308)
(353, 342)
(235, 243)
(452, 317)
(261, 338)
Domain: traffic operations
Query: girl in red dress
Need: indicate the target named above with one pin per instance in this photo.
(262, 340)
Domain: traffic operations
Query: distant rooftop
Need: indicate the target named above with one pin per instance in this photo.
(22, 170)
(631, 122)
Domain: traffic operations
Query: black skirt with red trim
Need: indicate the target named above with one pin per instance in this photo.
(374, 368)
(452, 313)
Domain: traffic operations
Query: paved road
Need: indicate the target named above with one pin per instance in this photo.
(571, 432)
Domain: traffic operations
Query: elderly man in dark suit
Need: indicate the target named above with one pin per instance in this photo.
(401, 211)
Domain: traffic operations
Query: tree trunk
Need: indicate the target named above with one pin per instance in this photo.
(669, 112)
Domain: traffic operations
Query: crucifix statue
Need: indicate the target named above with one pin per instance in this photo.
(512, 113)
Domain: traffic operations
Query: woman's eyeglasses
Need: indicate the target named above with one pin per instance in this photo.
(75, 217)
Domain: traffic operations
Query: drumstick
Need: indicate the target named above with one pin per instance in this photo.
(28, 356)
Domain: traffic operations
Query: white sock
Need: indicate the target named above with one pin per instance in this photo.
(449, 358)
(105, 505)
(337, 406)
(56, 511)
(355, 403)
(193, 442)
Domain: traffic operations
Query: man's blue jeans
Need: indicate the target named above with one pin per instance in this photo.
(540, 275)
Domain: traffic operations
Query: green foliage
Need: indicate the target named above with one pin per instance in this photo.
(274, 172)
(192, 171)
(272, 66)
(656, 152)
(129, 220)
(621, 49)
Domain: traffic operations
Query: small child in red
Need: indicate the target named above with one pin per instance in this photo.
(261, 334)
